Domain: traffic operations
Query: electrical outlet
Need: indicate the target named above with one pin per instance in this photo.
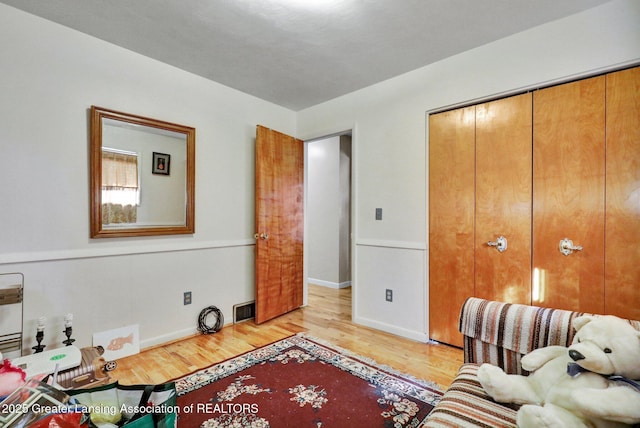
(389, 295)
(187, 298)
(378, 213)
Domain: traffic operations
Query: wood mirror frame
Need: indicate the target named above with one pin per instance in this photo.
(182, 169)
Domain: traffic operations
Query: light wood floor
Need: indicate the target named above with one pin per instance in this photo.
(327, 317)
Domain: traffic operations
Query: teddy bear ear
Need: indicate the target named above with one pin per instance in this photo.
(581, 321)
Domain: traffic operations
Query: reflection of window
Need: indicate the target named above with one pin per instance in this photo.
(120, 186)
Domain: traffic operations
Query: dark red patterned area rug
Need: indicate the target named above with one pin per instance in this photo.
(301, 382)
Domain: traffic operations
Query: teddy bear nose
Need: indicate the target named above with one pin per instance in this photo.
(575, 355)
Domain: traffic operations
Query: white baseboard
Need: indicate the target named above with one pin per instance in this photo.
(188, 332)
(329, 283)
(398, 331)
(166, 338)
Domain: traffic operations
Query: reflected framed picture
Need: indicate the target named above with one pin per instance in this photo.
(161, 163)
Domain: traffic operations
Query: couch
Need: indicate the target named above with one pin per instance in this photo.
(497, 333)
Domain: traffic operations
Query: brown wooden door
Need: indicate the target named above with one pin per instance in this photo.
(503, 199)
(622, 266)
(451, 217)
(279, 223)
(568, 195)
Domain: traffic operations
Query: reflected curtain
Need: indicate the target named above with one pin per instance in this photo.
(120, 188)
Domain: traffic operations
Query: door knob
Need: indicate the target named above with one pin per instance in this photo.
(500, 244)
(566, 247)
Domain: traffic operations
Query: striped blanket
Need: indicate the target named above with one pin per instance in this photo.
(500, 334)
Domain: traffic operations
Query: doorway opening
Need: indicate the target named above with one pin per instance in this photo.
(328, 232)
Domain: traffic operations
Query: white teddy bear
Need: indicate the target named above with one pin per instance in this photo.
(575, 386)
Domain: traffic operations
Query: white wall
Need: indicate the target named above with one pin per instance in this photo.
(390, 143)
(50, 76)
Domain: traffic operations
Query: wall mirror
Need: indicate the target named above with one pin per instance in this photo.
(142, 176)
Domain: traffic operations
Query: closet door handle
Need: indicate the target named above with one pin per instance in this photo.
(566, 247)
(500, 244)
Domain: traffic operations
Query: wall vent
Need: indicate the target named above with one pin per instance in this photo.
(244, 311)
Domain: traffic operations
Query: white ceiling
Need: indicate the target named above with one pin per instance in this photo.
(298, 53)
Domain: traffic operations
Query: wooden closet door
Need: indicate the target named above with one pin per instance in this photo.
(451, 217)
(622, 252)
(503, 199)
(568, 195)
